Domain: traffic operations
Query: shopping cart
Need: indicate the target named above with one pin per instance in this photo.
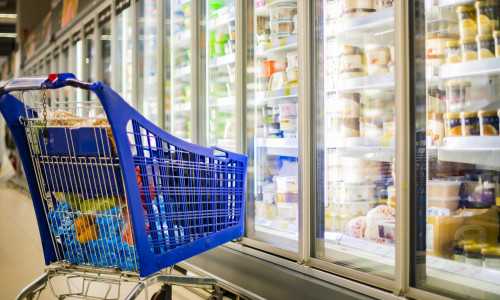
(116, 198)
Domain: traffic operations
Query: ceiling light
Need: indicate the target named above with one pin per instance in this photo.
(7, 35)
(8, 16)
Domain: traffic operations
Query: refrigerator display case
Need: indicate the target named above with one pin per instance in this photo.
(461, 195)
(220, 78)
(355, 194)
(180, 64)
(104, 20)
(123, 78)
(89, 63)
(148, 66)
(275, 121)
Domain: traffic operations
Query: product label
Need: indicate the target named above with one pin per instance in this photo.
(492, 263)
(486, 48)
(489, 125)
(470, 126)
(471, 233)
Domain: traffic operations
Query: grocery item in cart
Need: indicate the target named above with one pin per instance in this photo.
(467, 21)
(470, 123)
(453, 53)
(487, 16)
(485, 46)
(469, 49)
(488, 122)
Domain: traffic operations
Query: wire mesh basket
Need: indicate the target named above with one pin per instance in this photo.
(110, 189)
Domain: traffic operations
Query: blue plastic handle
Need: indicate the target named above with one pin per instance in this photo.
(52, 81)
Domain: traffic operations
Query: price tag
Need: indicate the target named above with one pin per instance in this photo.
(283, 42)
(287, 92)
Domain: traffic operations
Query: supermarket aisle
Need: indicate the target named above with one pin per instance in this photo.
(21, 256)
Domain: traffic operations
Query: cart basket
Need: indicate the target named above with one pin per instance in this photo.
(110, 189)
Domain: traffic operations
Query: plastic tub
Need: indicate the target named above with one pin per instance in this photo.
(288, 197)
(349, 127)
(281, 28)
(288, 124)
(485, 46)
(292, 59)
(287, 184)
(355, 4)
(352, 60)
(284, 12)
(457, 95)
(348, 105)
(450, 203)
(277, 81)
(292, 74)
(467, 21)
(288, 211)
(377, 55)
(443, 188)
(386, 230)
(349, 192)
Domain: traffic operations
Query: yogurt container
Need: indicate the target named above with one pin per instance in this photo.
(292, 59)
(488, 122)
(447, 203)
(353, 60)
(284, 12)
(485, 46)
(443, 188)
(281, 28)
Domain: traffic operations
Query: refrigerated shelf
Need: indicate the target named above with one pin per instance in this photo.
(382, 81)
(183, 107)
(385, 154)
(280, 146)
(224, 102)
(448, 3)
(183, 72)
(223, 60)
(489, 66)
(482, 150)
(262, 98)
(221, 23)
(361, 30)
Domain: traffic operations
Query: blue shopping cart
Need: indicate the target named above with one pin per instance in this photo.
(113, 193)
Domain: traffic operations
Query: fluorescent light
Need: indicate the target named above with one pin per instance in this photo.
(7, 35)
(8, 16)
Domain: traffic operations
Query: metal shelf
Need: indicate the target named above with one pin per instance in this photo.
(285, 44)
(489, 66)
(382, 81)
(482, 150)
(279, 146)
(221, 24)
(262, 98)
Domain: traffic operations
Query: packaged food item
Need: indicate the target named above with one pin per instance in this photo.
(354, 4)
(356, 227)
(352, 191)
(473, 254)
(435, 128)
(377, 70)
(487, 16)
(478, 225)
(288, 197)
(387, 230)
(485, 46)
(491, 257)
(291, 84)
(349, 127)
(443, 188)
(86, 229)
(287, 211)
(288, 109)
(232, 34)
(288, 123)
(469, 49)
(381, 4)
(496, 37)
(457, 95)
(355, 170)
(284, 12)
(350, 14)
(467, 21)
(470, 123)
(488, 122)
(277, 81)
(452, 52)
(453, 124)
(351, 73)
(281, 28)
(292, 74)
(389, 129)
(292, 59)
(287, 184)
(348, 105)
(371, 129)
(352, 208)
(373, 219)
(450, 204)
(351, 60)
(458, 250)
(377, 55)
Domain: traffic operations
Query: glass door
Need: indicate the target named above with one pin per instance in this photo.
(180, 64)
(105, 46)
(148, 84)
(124, 57)
(221, 86)
(460, 255)
(275, 144)
(355, 126)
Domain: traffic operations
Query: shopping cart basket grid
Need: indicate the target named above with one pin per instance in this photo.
(109, 172)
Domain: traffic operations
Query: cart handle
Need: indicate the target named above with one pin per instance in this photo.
(52, 81)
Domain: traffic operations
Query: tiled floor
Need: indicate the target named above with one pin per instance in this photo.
(21, 256)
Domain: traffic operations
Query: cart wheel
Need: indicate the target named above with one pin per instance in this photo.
(160, 295)
(216, 296)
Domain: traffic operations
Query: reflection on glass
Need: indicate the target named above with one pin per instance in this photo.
(356, 136)
(105, 38)
(274, 122)
(89, 65)
(221, 87)
(180, 61)
(147, 59)
(124, 55)
(168, 66)
(458, 124)
(79, 67)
